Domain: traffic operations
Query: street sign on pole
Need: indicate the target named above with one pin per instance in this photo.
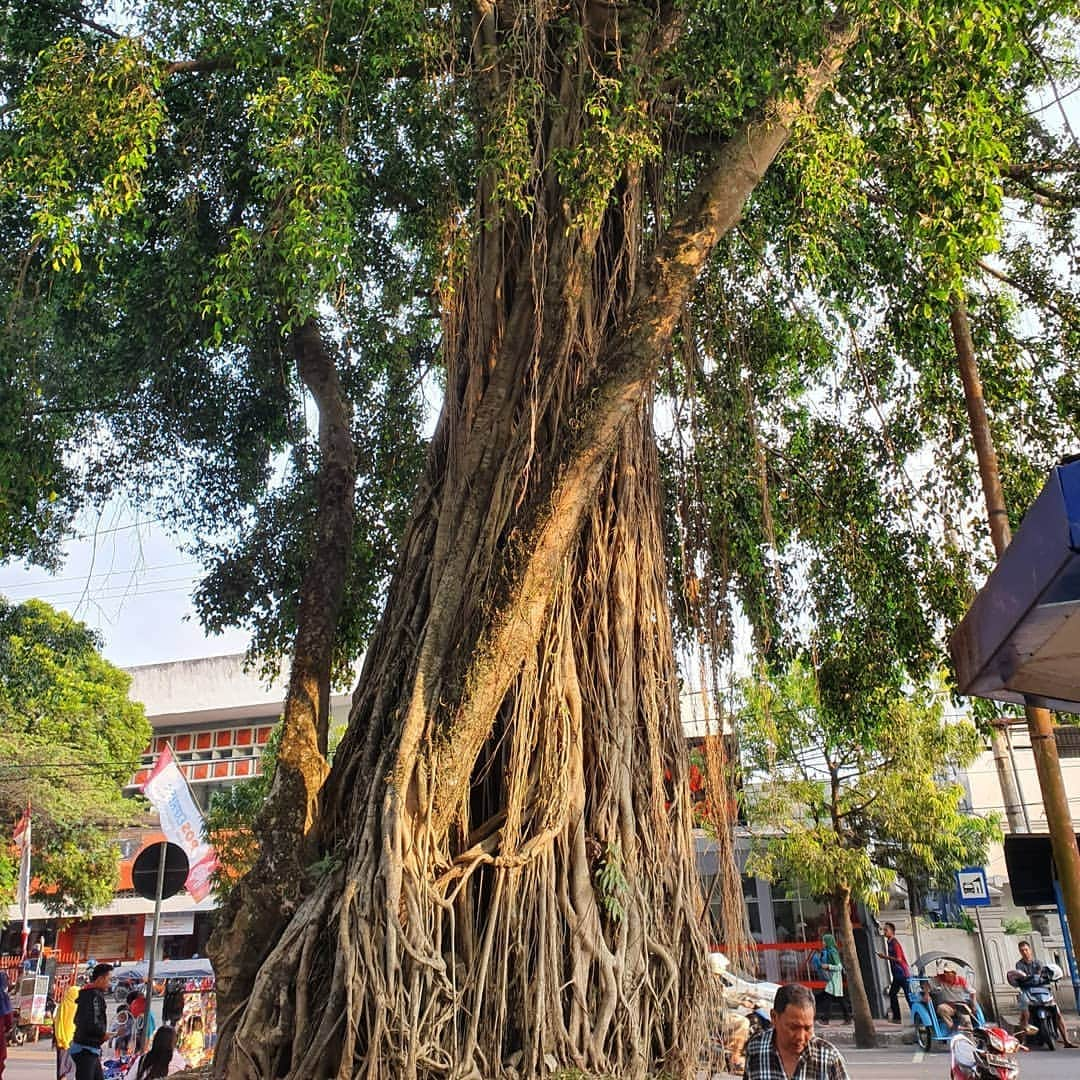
(972, 887)
(167, 865)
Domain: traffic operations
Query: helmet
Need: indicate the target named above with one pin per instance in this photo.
(1053, 972)
(1014, 977)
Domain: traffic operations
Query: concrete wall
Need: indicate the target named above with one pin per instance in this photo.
(212, 689)
(1001, 953)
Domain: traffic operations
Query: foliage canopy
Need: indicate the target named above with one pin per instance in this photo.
(175, 200)
(840, 812)
(70, 741)
(580, 195)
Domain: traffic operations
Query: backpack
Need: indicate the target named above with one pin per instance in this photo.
(817, 964)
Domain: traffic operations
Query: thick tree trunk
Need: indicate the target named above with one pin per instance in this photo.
(259, 906)
(865, 1032)
(558, 921)
(508, 880)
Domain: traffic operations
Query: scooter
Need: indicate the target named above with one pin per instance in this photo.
(982, 1053)
(1043, 1009)
(16, 1035)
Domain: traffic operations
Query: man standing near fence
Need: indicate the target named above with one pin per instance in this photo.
(898, 969)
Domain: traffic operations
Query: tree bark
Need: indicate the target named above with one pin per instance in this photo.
(865, 1032)
(259, 905)
(1040, 722)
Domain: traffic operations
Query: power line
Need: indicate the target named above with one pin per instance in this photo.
(25, 766)
(117, 528)
(120, 592)
(100, 573)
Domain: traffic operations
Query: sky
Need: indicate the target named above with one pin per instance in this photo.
(125, 578)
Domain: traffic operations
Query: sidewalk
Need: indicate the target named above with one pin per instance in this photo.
(890, 1034)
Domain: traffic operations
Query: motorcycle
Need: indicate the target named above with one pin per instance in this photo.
(983, 1053)
(16, 1035)
(1043, 1008)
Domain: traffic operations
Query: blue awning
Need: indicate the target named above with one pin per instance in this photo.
(1021, 636)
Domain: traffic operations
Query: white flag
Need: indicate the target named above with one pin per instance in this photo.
(181, 821)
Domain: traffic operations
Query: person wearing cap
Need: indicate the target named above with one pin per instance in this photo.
(734, 1027)
(91, 1024)
(950, 990)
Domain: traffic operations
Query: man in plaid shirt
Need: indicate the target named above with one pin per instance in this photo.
(789, 1050)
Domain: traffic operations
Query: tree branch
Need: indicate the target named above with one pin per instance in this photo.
(1042, 194)
(1025, 290)
(82, 21)
(1020, 169)
(183, 67)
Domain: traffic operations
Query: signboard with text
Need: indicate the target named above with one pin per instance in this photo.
(172, 924)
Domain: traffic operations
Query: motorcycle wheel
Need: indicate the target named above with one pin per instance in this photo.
(18, 1037)
(1047, 1033)
(924, 1036)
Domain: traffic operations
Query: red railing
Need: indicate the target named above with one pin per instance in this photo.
(785, 962)
(67, 965)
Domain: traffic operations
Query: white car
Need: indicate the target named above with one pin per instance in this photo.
(739, 988)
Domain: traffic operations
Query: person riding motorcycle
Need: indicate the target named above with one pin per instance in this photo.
(1033, 972)
(735, 1028)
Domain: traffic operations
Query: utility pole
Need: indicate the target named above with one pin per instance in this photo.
(1006, 724)
(1015, 814)
(1039, 721)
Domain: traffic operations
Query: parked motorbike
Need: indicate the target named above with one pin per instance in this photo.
(983, 1053)
(16, 1035)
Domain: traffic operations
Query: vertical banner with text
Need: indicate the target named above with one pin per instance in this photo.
(181, 822)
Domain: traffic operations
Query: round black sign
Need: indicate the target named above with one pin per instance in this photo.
(145, 871)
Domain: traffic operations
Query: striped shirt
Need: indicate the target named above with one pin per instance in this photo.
(819, 1061)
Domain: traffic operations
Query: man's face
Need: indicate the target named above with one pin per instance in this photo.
(890, 933)
(794, 1028)
(1025, 952)
(948, 976)
(102, 981)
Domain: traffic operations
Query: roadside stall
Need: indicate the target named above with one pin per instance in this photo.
(184, 998)
(32, 1007)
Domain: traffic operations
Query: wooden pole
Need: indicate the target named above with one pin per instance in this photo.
(1040, 722)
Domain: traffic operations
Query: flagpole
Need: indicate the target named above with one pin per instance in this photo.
(24, 879)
